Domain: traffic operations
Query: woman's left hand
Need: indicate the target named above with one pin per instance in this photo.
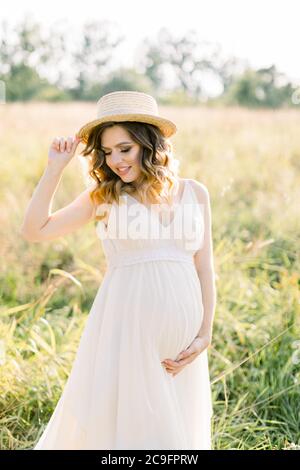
(199, 344)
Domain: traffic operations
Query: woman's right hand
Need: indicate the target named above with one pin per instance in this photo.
(62, 150)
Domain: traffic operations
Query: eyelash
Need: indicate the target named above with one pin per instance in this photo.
(123, 151)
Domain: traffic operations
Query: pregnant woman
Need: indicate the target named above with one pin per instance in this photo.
(140, 378)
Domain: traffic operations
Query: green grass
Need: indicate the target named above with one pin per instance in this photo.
(250, 162)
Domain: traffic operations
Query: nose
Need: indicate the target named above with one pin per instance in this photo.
(116, 159)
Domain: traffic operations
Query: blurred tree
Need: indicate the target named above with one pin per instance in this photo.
(226, 69)
(22, 83)
(92, 57)
(38, 64)
(151, 61)
(178, 97)
(274, 87)
(184, 59)
(265, 87)
(127, 79)
(24, 52)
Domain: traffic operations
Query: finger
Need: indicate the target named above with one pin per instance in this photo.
(169, 363)
(69, 144)
(75, 141)
(172, 365)
(182, 362)
(55, 143)
(169, 368)
(173, 371)
(62, 144)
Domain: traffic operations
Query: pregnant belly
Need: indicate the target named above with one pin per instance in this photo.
(172, 310)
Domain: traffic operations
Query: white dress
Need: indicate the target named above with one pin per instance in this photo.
(148, 308)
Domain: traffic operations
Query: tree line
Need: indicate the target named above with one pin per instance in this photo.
(47, 65)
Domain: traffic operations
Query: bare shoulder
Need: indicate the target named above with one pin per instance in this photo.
(200, 190)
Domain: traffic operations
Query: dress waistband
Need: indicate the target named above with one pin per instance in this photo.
(126, 258)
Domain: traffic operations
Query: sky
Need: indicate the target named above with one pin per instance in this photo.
(263, 32)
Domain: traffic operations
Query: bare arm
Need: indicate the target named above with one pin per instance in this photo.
(204, 262)
(39, 223)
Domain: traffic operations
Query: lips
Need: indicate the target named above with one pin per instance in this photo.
(124, 169)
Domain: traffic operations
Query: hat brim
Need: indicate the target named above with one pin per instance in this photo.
(166, 126)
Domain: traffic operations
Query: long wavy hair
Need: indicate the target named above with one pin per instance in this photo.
(158, 167)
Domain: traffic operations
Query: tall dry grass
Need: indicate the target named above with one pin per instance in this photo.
(250, 162)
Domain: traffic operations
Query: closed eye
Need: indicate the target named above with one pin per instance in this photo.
(123, 151)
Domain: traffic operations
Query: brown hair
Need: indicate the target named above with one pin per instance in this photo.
(158, 174)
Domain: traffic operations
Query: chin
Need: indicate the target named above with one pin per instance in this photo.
(128, 178)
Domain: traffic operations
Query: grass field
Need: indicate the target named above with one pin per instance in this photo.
(250, 163)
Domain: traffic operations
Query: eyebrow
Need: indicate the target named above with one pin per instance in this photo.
(118, 145)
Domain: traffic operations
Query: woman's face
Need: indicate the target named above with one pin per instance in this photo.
(121, 153)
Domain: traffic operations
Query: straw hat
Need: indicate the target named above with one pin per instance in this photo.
(128, 106)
